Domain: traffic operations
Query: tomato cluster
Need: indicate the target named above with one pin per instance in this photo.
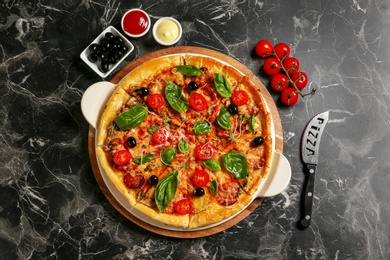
(286, 77)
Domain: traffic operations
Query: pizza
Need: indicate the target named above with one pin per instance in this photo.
(186, 139)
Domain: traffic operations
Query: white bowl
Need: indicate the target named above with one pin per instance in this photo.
(95, 65)
(168, 35)
(138, 20)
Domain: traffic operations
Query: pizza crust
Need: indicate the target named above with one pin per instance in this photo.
(213, 212)
(116, 177)
(114, 105)
(145, 73)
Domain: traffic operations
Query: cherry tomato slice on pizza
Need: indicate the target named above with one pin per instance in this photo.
(198, 102)
(184, 206)
(200, 178)
(240, 98)
(160, 136)
(155, 101)
(204, 151)
(121, 157)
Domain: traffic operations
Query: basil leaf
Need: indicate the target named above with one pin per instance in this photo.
(189, 70)
(252, 123)
(214, 188)
(153, 129)
(131, 118)
(166, 189)
(212, 164)
(222, 85)
(201, 127)
(175, 98)
(235, 163)
(144, 158)
(223, 119)
(168, 155)
(183, 146)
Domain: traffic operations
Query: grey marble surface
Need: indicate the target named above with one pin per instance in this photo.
(50, 204)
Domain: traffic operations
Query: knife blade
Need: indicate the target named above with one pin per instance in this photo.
(309, 151)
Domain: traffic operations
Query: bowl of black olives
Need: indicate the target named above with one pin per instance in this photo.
(107, 51)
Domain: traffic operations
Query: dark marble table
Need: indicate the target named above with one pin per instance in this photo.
(50, 204)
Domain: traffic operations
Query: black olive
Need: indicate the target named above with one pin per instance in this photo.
(111, 57)
(103, 56)
(199, 192)
(118, 54)
(98, 51)
(124, 49)
(93, 57)
(153, 180)
(103, 66)
(119, 40)
(94, 47)
(107, 46)
(232, 109)
(115, 45)
(131, 142)
(109, 36)
(258, 141)
(192, 85)
(143, 91)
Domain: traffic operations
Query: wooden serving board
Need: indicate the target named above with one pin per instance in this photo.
(219, 56)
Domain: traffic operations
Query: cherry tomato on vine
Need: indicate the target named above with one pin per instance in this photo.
(121, 157)
(289, 96)
(184, 206)
(271, 66)
(279, 82)
(204, 151)
(198, 102)
(300, 79)
(282, 50)
(263, 48)
(240, 98)
(291, 65)
(200, 178)
(160, 136)
(155, 101)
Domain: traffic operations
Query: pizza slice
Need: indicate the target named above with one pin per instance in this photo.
(223, 199)
(163, 199)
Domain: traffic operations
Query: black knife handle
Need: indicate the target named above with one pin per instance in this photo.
(309, 194)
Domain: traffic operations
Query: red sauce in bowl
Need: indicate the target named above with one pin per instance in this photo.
(135, 22)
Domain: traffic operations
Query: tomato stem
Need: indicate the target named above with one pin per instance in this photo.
(311, 93)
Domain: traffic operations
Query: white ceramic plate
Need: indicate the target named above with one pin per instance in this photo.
(276, 181)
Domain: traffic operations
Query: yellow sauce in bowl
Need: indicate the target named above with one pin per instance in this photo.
(167, 31)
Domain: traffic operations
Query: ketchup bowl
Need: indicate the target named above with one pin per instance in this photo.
(135, 23)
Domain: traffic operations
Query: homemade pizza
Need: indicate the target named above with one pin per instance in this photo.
(186, 139)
